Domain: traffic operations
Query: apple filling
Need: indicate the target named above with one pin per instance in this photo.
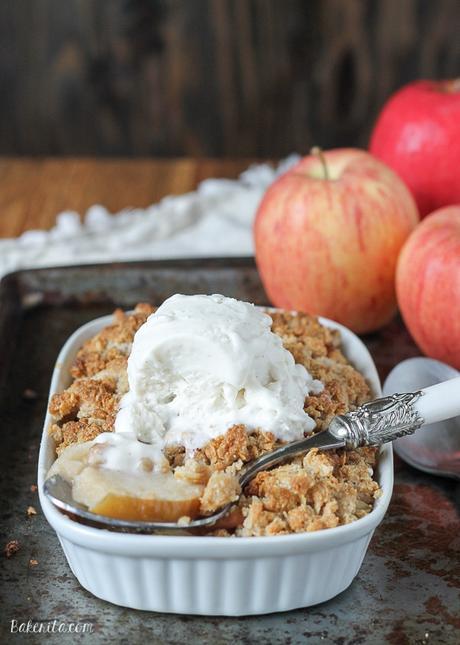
(143, 495)
(159, 497)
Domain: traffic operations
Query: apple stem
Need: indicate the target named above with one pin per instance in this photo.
(316, 151)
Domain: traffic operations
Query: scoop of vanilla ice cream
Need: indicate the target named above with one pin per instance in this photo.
(201, 364)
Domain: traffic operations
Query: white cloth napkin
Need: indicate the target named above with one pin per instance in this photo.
(214, 220)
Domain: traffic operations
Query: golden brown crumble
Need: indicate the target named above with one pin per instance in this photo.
(319, 490)
(315, 491)
(221, 489)
(111, 344)
(11, 548)
(235, 446)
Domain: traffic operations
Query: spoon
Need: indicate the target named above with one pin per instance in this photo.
(372, 424)
(435, 448)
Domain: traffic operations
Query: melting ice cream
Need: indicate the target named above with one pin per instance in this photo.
(201, 364)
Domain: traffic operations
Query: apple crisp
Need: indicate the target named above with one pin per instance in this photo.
(313, 491)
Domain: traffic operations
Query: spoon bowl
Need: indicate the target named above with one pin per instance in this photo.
(435, 448)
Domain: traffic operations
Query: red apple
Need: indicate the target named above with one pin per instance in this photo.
(428, 285)
(328, 234)
(418, 135)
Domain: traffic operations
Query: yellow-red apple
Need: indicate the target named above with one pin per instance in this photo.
(428, 285)
(328, 234)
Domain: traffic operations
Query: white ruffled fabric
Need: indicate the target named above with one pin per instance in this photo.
(214, 220)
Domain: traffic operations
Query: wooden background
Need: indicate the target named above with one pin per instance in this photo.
(227, 78)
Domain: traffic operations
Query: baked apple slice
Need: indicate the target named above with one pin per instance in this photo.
(155, 497)
(140, 495)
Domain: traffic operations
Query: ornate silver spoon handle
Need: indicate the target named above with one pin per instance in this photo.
(372, 424)
(378, 421)
(394, 416)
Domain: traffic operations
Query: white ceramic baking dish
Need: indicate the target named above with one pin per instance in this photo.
(214, 575)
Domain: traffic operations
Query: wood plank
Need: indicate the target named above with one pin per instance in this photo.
(18, 194)
(33, 192)
(192, 78)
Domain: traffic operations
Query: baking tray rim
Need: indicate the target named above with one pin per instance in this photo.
(221, 261)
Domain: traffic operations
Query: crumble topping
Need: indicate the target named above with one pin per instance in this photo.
(311, 492)
(11, 548)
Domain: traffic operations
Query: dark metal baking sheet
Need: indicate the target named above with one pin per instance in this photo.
(407, 590)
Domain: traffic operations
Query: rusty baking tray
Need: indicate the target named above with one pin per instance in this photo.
(407, 590)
